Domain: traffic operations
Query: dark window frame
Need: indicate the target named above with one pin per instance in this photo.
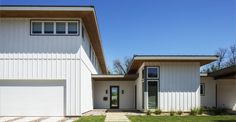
(157, 91)
(202, 89)
(158, 72)
(157, 79)
(54, 23)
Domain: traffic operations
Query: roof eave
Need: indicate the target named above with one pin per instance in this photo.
(203, 59)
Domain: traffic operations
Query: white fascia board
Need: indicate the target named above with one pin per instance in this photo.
(107, 76)
(203, 75)
(47, 8)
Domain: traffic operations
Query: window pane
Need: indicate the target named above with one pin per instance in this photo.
(37, 27)
(60, 28)
(152, 95)
(152, 72)
(72, 28)
(202, 89)
(48, 27)
(114, 96)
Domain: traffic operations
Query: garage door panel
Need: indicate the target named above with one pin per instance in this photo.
(32, 98)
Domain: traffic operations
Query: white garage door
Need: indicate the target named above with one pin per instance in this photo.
(32, 98)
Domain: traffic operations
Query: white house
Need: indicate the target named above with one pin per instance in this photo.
(47, 56)
(219, 88)
(52, 64)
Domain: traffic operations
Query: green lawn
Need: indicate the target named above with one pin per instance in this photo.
(182, 118)
(91, 119)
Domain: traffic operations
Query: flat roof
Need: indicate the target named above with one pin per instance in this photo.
(126, 77)
(86, 13)
(138, 60)
(225, 73)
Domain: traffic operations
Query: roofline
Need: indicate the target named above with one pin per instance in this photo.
(224, 71)
(175, 57)
(47, 6)
(95, 16)
(172, 58)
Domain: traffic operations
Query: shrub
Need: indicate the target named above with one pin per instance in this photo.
(172, 113)
(200, 111)
(219, 111)
(148, 112)
(158, 111)
(179, 112)
(194, 111)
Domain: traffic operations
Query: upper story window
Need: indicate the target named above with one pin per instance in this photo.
(36, 27)
(72, 28)
(48, 27)
(60, 27)
(55, 27)
(153, 72)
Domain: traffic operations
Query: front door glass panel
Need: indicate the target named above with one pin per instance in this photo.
(152, 95)
(114, 97)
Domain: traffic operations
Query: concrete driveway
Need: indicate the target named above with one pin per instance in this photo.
(36, 119)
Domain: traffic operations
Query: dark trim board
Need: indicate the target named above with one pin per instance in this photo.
(135, 93)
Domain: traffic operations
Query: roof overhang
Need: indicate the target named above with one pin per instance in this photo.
(226, 73)
(86, 13)
(114, 77)
(138, 60)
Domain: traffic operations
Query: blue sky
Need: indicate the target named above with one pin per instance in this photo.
(129, 27)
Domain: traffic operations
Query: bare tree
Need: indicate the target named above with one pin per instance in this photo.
(226, 58)
(221, 52)
(121, 67)
(232, 55)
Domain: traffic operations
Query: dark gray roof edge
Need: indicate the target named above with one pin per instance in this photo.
(226, 69)
(175, 55)
(47, 6)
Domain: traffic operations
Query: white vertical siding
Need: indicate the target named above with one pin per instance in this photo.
(139, 89)
(86, 82)
(126, 100)
(209, 99)
(226, 97)
(16, 38)
(44, 68)
(179, 85)
(86, 46)
(26, 57)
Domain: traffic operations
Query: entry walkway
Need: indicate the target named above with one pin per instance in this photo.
(116, 117)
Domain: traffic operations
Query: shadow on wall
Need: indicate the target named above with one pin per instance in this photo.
(16, 38)
(181, 87)
(39, 44)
